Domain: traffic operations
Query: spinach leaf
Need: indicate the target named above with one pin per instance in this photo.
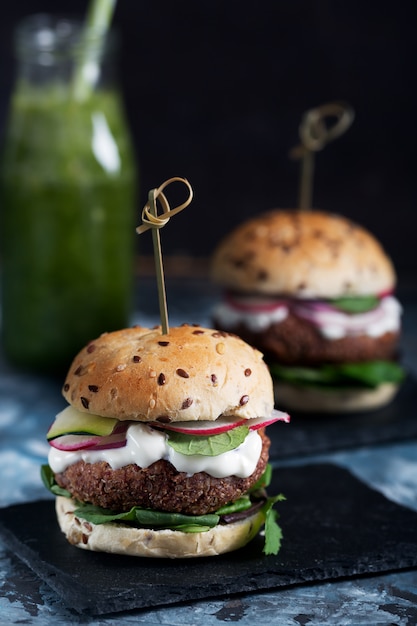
(147, 518)
(373, 373)
(355, 304)
(242, 504)
(367, 374)
(207, 445)
(264, 480)
(48, 479)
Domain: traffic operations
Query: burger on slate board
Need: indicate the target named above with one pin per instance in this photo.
(315, 293)
(162, 450)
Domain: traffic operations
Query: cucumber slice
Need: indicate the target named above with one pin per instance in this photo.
(70, 421)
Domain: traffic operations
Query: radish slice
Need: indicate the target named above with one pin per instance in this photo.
(70, 443)
(117, 440)
(203, 427)
(261, 422)
(255, 303)
(223, 424)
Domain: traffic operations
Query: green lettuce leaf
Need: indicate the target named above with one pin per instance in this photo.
(355, 304)
(211, 445)
(367, 374)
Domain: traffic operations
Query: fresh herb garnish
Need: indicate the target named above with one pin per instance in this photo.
(273, 532)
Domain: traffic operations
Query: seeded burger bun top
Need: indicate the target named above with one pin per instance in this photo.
(191, 373)
(310, 254)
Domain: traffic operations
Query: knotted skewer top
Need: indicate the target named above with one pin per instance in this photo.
(150, 218)
(154, 222)
(315, 133)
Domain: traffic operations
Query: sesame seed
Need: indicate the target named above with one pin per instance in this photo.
(214, 379)
(182, 373)
(152, 374)
(163, 343)
(248, 371)
(66, 387)
(220, 348)
(161, 379)
(244, 400)
(152, 403)
(91, 347)
(136, 359)
(121, 367)
(93, 388)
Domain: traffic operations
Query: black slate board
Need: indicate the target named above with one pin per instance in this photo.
(334, 526)
(320, 433)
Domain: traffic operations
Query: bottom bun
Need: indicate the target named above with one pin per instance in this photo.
(173, 544)
(318, 400)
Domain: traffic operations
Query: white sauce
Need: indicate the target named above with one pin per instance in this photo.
(332, 324)
(337, 325)
(146, 446)
(254, 320)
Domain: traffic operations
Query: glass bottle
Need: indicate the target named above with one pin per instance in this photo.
(68, 189)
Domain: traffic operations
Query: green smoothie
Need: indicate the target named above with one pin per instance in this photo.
(67, 218)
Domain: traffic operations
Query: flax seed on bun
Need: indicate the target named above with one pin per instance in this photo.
(309, 254)
(191, 374)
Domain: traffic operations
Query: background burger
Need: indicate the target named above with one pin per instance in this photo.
(314, 292)
(162, 451)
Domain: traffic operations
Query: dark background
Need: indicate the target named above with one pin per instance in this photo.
(215, 91)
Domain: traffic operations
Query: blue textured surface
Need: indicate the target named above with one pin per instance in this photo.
(28, 405)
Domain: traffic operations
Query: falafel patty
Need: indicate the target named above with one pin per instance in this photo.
(159, 486)
(295, 341)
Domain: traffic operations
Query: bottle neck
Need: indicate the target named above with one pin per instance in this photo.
(52, 49)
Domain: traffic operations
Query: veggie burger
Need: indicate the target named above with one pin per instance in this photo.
(162, 451)
(315, 293)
